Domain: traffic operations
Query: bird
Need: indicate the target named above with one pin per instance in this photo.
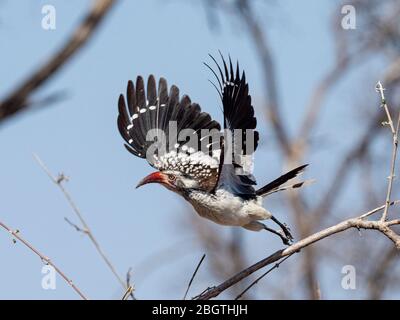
(217, 178)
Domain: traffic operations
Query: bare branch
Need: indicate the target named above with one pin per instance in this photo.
(44, 258)
(128, 283)
(75, 226)
(371, 212)
(86, 229)
(380, 89)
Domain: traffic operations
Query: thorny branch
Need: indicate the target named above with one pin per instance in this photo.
(394, 131)
(85, 229)
(45, 259)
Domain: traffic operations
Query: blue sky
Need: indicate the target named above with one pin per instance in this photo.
(78, 136)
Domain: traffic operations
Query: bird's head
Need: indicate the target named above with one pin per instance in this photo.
(173, 180)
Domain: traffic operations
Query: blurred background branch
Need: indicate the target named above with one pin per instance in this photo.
(19, 99)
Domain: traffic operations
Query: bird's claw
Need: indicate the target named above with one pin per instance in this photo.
(287, 240)
(288, 236)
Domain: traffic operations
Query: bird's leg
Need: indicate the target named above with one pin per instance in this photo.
(284, 238)
(284, 227)
(257, 226)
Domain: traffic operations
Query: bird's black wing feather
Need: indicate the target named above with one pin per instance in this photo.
(234, 175)
(144, 110)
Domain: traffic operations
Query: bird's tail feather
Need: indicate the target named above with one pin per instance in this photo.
(275, 185)
(291, 186)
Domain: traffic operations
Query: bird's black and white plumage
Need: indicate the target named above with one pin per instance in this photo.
(209, 168)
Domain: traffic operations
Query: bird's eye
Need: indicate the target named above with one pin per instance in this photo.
(171, 178)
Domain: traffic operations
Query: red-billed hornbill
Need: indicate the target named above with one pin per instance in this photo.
(219, 190)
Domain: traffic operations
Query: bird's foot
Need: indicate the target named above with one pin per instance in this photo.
(287, 240)
(286, 231)
(286, 237)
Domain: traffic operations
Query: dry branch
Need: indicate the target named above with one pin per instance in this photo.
(85, 227)
(44, 259)
(395, 132)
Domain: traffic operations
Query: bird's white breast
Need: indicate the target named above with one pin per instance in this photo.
(227, 209)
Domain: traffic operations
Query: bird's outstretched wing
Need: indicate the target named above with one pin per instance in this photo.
(146, 122)
(239, 124)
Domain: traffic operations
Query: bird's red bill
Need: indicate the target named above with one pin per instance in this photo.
(155, 177)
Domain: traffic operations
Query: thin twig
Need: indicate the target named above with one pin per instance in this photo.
(128, 277)
(127, 293)
(276, 266)
(371, 212)
(203, 292)
(193, 275)
(86, 229)
(44, 259)
(380, 89)
(75, 226)
(394, 131)
(128, 282)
